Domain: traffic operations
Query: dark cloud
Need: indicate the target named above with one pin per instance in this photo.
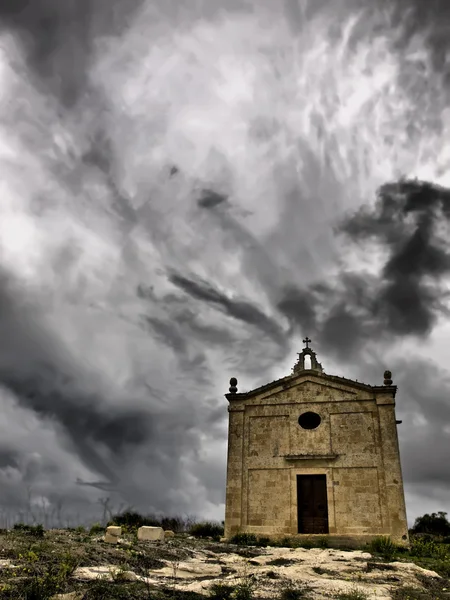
(9, 458)
(405, 222)
(424, 408)
(299, 306)
(207, 333)
(169, 333)
(210, 199)
(405, 298)
(58, 38)
(47, 380)
(238, 309)
(408, 294)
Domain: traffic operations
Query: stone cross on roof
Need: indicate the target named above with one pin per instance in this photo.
(307, 351)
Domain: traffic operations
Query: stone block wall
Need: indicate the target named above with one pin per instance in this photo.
(355, 446)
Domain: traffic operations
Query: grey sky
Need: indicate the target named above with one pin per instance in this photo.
(188, 189)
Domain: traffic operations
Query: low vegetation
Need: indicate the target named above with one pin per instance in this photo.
(207, 529)
(43, 562)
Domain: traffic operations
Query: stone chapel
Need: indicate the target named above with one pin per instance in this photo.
(315, 454)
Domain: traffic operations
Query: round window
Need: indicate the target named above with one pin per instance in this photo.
(309, 420)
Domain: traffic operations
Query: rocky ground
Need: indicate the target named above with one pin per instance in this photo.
(79, 566)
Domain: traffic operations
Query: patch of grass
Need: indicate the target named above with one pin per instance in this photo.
(441, 567)
(322, 571)
(244, 590)
(435, 589)
(173, 594)
(425, 551)
(96, 529)
(143, 562)
(33, 530)
(102, 589)
(429, 549)
(291, 592)
(263, 542)
(272, 575)
(207, 529)
(429, 553)
(244, 539)
(38, 579)
(130, 521)
(408, 593)
(380, 566)
(221, 591)
(281, 562)
(353, 594)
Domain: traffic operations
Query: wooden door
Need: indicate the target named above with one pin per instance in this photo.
(312, 505)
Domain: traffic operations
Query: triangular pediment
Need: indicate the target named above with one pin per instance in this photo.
(312, 385)
(309, 383)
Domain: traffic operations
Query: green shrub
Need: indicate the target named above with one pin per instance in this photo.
(323, 542)
(96, 528)
(306, 543)
(244, 590)
(207, 529)
(429, 548)
(434, 523)
(175, 524)
(34, 530)
(291, 592)
(384, 546)
(131, 521)
(221, 591)
(244, 539)
(354, 594)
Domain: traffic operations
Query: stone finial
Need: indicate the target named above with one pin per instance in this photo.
(233, 385)
(387, 378)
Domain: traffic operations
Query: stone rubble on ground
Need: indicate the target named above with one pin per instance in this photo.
(336, 571)
(324, 572)
(150, 534)
(112, 534)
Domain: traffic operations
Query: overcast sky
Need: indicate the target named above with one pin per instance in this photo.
(187, 190)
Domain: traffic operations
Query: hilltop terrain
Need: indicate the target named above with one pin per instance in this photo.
(77, 565)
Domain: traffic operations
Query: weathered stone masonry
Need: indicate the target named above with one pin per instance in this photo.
(313, 454)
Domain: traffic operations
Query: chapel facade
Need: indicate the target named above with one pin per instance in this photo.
(315, 454)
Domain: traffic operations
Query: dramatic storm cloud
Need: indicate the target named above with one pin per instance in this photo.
(188, 189)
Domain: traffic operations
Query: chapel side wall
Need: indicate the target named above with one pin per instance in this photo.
(398, 525)
(233, 504)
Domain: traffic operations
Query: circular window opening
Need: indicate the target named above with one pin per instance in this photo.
(309, 420)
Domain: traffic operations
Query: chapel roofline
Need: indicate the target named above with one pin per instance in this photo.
(291, 379)
(299, 372)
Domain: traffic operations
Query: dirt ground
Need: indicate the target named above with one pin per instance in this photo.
(74, 565)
